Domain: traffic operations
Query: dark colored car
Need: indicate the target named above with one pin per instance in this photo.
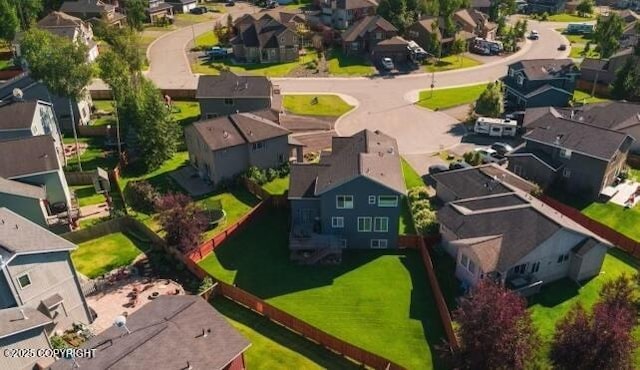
(458, 165)
(501, 148)
(231, 3)
(562, 47)
(272, 4)
(199, 10)
(437, 168)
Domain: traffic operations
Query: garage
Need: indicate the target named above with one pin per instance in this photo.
(395, 48)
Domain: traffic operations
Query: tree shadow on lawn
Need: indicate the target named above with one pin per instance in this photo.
(279, 334)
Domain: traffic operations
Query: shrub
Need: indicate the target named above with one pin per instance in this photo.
(425, 221)
(141, 195)
(418, 193)
(272, 174)
(472, 157)
(257, 175)
(182, 220)
(207, 283)
(58, 343)
(544, 16)
(284, 170)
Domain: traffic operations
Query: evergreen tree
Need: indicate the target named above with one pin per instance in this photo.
(491, 101)
(607, 34)
(8, 21)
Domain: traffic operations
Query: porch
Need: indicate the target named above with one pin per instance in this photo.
(309, 247)
(525, 285)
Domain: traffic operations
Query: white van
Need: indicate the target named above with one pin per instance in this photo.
(495, 127)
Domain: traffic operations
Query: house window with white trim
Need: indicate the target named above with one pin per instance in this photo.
(565, 153)
(344, 201)
(381, 224)
(228, 101)
(535, 267)
(372, 199)
(337, 222)
(520, 80)
(379, 243)
(364, 224)
(468, 264)
(24, 280)
(388, 201)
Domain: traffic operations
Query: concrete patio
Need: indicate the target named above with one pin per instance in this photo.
(626, 194)
(189, 180)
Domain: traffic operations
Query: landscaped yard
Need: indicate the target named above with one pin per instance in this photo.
(87, 195)
(272, 345)
(411, 180)
(206, 40)
(451, 97)
(185, 112)
(94, 156)
(623, 220)
(379, 300)
(567, 17)
(346, 65)
(451, 62)
(316, 105)
(298, 4)
(578, 44)
(586, 98)
(101, 255)
(278, 186)
(235, 202)
(261, 69)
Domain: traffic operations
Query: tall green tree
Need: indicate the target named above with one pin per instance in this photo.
(627, 83)
(585, 8)
(28, 11)
(458, 46)
(126, 43)
(491, 101)
(607, 34)
(135, 13)
(8, 21)
(115, 72)
(395, 11)
(501, 8)
(60, 64)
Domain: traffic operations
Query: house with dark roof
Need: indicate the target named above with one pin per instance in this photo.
(72, 28)
(269, 37)
(34, 161)
(158, 11)
(603, 71)
(39, 288)
(517, 240)
(362, 36)
(170, 332)
(229, 93)
(572, 156)
(224, 147)
(545, 6)
(94, 11)
(35, 90)
(350, 199)
(395, 48)
(341, 14)
(28, 201)
(183, 6)
(540, 82)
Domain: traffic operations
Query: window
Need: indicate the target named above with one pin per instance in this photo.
(520, 269)
(354, 46)
(535, 267)
(565, 153)
(381, 224)
(464, 261)
(563, 258)
(517, 169)
(413, 33)
(471, 267)
(520, 80)
(378, 243)
(344, 201)
(389, 201)
(372, 199)
(468, 264)
(566, 173)
(364, 224)
(512, 73)
(280, 158)
(378, 35)
(258, 145)
(228, 101)
(24, 280)
(337, 222)
(211, 115)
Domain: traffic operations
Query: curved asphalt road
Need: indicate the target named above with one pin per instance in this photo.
(384, 103)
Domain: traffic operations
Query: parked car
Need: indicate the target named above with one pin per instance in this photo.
(231, 3)
(387, 64)
(501, 148)
(199, 10)
(562, 47)
(458, 165)
(534, 35)
(488, 155)
(216, 52)
(437, 168)
(272, 4)
(480, 50)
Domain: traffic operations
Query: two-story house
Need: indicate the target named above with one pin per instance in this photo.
(75, 29)
(158, 10)
(94, 11)
(229, 93)
(272, 37)
(540, 82)
(469, 24)
(350, 199)
(224, 147)
(22, 119)
(35, 90)
(34, 160)
(573, 156)
(475, 22)
(603, 71)
(39, 288)
(341, 14)
(366, 33)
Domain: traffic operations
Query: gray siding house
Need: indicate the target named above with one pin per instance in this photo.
(365, 34)
(515, 239)
(540, 82)
(573, 156)
(270, 37)
(229, 93)
(350, 199)
(603, 71)
(29, 201)
(341, 14)
(38, 278)
(225, 147)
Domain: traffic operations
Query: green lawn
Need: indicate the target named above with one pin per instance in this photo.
(325, 105)
(451, 62)
(278, 186)
(272, 345)
(101, 255)
(5, 63)
(260, 69)
(634, 174)
(298, 4)
(345, 65)
(566, 17)
(94, 156)
(379, 300)
(405, 225)
(185, 112)
(412, 178)
(87, 195)
(451, 97)
(586, 98)
(578, 44)
(625, 221)
(235, 202)
(206, 40)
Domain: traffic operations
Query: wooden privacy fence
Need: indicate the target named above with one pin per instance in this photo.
(619, 240)
(277, 200)
(95, 131)
(80, 178)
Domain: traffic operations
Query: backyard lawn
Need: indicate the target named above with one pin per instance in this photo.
(206, 40)
(623, 220)
(379, 300)
(567, 17)
(101, 255)
(578, 44)
(272, 345)
(451, 62)
(451, 97)
(412, 179)
(260, 69)
(345, 65)
(94, 156)
(278, 186)
(323, 105)
(235, 202)
(185, 112)
(87, 195)
(586, 98)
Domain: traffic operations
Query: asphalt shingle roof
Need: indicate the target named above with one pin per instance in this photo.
(84, 6)
(545, 69)
(230, 85)
(366, 24)
(12, 321)
(22, 189)
(36, 154)
(480, 181)
(17, 115)
(59, 19)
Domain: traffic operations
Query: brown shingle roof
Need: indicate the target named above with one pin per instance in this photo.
(544, 69)
(367, 24)
(482, 180)
(36, 154)
(17, 115)
(230, 85)
(59, 19)
(355, 4)
(12, 322)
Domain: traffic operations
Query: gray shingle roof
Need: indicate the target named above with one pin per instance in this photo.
(84, 6)
(355, 4)
(545, 69)
(615, 115)
(230, 85)
(22, 189)
(17, 115)
(236, 129)
(59, 19)
(367, 24)
(480, 181)
(166, 334)
(12, 322)
(302, 180)
(370, 154)
(21, 236)
(36, 154)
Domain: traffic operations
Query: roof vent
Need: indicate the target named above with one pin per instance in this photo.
(390, 151)
(558, 138)
(24, 316)
(17, 94)
(225, 134)
(121, 322)
(17, 227)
